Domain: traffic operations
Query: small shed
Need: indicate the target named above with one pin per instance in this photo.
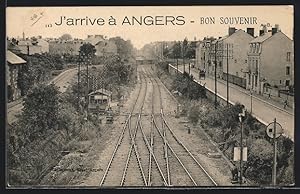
(99, 100)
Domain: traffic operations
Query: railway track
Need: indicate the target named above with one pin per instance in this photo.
(148, 152)
(196, 173)
(122, 159)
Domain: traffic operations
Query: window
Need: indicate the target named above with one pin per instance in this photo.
(287, 82)
(279, 81)
(256, 66)
(235, 61)
(249, 80)
(246, 61)
(287, 70)
(288, 56)
(255, 81)
(237, 73)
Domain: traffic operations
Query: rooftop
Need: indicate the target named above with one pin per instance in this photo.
(101, 91)
(13, 58)
(262, 38)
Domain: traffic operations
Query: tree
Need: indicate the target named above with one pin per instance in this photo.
(176, 52)
(66, 37)
(37, 70)
(40, 111)
(124, 48)
(88, 49)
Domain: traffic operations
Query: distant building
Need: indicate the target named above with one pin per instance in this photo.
(14, 65)
(203, 61)
(62, 47)
(102, 45)
(270, 61)
(29, 47)
(44, 45)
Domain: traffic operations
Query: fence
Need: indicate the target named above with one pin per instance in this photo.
(235, 80)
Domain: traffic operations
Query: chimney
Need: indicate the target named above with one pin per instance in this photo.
(261, 32)
(231, 30)
(98, 36)
(220, 37)
(23, 36)
(277, 27)
(274, 30)
(250, 31)
(265, 29)
(89, 36)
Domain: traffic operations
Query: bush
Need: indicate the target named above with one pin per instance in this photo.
(193, 115)
(259, 164)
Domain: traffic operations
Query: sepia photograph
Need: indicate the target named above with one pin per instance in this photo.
(150, 96)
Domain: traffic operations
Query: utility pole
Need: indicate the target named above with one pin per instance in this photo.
(78, 82)
(241, 157)
(275, 155)
(182, 55)
(87, 88)
(216, 74)
(227, 76)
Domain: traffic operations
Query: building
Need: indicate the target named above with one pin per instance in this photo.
(29, 47)
(202, 59)
(102, 45)
(72, 47)
(99, 100)
(44, 45)
(63, 47)
(14, 65)
(232, 49)
(106, 48)
(270, 61)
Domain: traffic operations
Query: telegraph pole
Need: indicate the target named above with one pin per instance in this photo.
(87, 88)
(78, 82)
(216, 74)
(227, 76)
(275, 155)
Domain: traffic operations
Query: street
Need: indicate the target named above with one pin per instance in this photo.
(262, 110)
(63, 80)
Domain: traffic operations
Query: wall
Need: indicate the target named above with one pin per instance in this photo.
(209, 93)
(44, 44)
(273, 59)
(65, 47)
(238, 49)
(33, 49)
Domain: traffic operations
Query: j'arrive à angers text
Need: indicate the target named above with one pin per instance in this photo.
(151, 20)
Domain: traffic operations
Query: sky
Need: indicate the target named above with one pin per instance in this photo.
(22, 19)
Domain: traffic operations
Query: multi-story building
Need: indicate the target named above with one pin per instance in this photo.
(61, 47)
(203, 54)
(232, 51)
(14, 64)
(72, 47)
(29, 47)
(102, 45)
(270, 61)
